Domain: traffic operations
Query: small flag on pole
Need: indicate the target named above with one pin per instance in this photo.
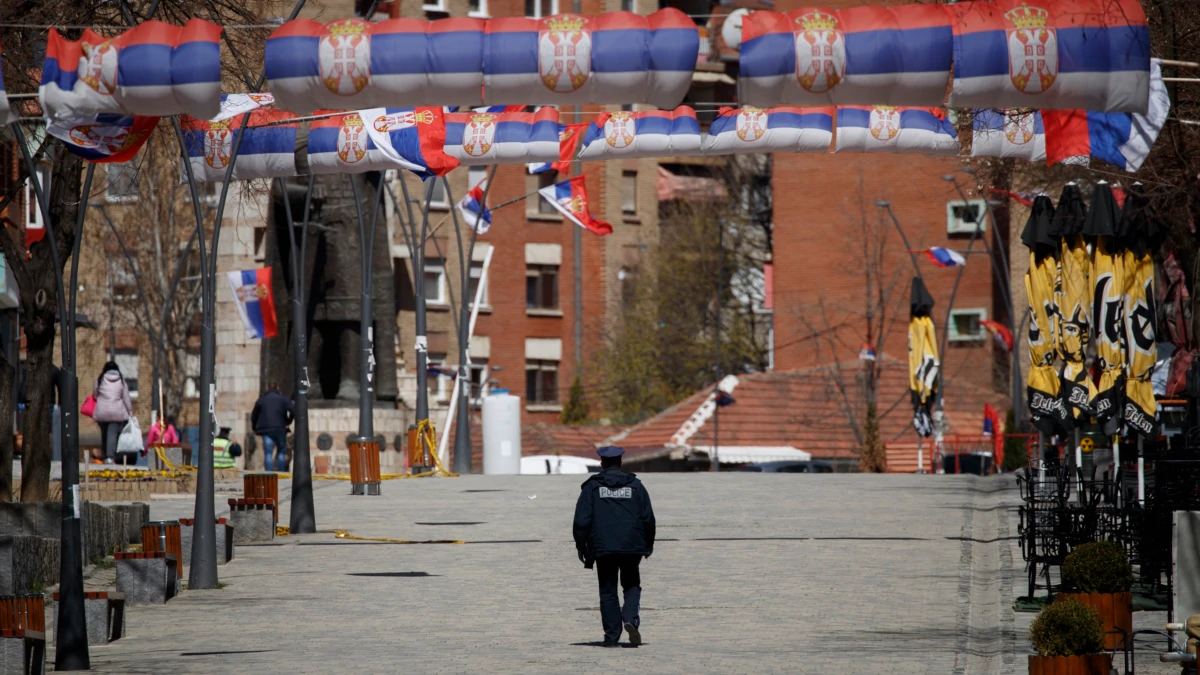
(570, 197)
(1002, 335)
(255, 301)
(474, 212)
(943, 257)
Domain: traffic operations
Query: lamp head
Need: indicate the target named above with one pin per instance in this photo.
(948, 178)
(882, 204)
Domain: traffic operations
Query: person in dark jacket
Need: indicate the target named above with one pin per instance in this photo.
(614, 528)
(270, 419)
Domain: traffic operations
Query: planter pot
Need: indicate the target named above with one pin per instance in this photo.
(1089, 664)
(1116, 611)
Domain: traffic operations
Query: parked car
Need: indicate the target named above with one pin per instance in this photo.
(810, 466)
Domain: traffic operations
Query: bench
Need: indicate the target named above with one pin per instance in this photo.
(253, 519)
(147, 577)
(261, 486)
(163, 535)
(224, 540)
(23, 634)
(104, 612)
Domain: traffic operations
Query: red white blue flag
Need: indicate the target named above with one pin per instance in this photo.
(474, 211)
(648, 133)
(103, 138)
(1121, 139)
(154, 69)
(1009, 133)
(483, 138)
(255, 301)
(413, 138)
(570, 198)
(268, 149)
(944, 257)
(880, 128)
(780, 129)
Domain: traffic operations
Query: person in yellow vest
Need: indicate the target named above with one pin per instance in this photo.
(222, 446)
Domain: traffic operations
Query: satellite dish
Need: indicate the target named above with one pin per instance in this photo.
(731, 30)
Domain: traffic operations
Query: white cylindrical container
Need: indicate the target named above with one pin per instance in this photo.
(501, 434)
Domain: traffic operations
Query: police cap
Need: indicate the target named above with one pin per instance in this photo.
(610, 451)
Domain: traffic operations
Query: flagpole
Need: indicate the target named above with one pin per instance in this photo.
(71, 648)
(366, 358)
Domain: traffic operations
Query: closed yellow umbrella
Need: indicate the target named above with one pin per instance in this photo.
(923, 364)
(1046, 409)
(1107, 279)
(1138, 231)
(1073, 295)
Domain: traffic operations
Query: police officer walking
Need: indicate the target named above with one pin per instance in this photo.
(614, 528)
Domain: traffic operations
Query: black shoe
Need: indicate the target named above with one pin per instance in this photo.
(635, 638)
(611, 643)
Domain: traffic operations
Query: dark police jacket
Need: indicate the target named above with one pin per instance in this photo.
(613, 516)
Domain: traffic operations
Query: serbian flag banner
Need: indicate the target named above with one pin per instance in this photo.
(782, 129)
(474, 212)
(341, 144)
(570, 197)
(1009, 133)
(267, 151)
(103, 138)
(1090, 54)
(414, 138)
(944, 257)
(154, 69)
(1121, 139)
(924, 131)
(866, 55)
(482, 138)
(650, 133)
(255, 301)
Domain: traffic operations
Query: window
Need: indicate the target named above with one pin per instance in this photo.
(437, 381)
(629, 6)
(435, 281)
(476, 175)
(476, 274)
(120, 183)
(122, 282)
(191, 382)
(541, 287)
(479, 374)
(539, 8)
(627, 107)
(546, 179)
(629, 192)
(965, 325)
(33, 212)
(437, 198)
(541, 382)
(260, 244)
(477, 9)
(964, 217)
(434, 6)
(127, 361)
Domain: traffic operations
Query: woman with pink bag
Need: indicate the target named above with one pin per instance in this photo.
(113, 407)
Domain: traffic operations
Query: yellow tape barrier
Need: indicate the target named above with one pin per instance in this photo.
(344, 534)
(162, 457)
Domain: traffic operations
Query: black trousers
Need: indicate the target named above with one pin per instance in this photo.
(612, 614)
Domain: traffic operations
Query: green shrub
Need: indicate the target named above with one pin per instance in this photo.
(1067, 628)
(1098, 567)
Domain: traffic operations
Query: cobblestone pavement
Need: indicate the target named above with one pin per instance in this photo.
(754, 573)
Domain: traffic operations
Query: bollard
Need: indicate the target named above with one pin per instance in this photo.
(262, 486)
(164, 535)
(364, 467)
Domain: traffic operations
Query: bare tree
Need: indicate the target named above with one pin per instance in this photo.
(835, 335)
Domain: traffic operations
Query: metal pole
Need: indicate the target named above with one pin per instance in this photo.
(467, 313)
(454, 399)
(1141, 473)
(949, 308)
(577, 242)
(71, 645)
(422, 345)
(303, 519)
(203, 573)
(715, 459)
(366, 389)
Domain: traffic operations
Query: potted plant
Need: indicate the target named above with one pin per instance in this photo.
(1068, 638)
(1098, 575)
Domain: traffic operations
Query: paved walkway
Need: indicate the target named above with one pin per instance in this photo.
(754, 573)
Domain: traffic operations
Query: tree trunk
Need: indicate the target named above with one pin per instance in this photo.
(8, 376)
(40, 303)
